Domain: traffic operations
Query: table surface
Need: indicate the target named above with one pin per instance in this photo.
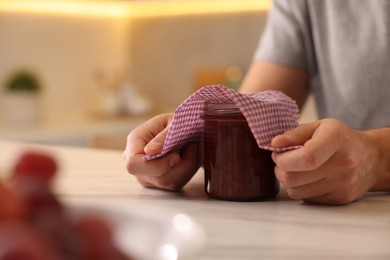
(279, 229)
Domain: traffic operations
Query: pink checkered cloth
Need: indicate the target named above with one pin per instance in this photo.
(268, 114)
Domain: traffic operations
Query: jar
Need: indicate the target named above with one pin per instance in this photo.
(235, 167)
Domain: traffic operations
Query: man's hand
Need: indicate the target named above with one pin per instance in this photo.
(335, 165)
(170, 172)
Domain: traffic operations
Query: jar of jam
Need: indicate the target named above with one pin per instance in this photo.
(235, 167)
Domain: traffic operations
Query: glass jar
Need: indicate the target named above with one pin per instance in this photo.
(235, 167)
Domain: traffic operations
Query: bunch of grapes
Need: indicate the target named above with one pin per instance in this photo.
(35, 225)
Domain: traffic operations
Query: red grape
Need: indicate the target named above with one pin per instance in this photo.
(96, 239)
(11, 205)
(35, 225)
(39, 199)
(19, 242)
(38, 165)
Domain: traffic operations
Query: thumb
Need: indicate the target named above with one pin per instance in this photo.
(296, 136)
(155, 145)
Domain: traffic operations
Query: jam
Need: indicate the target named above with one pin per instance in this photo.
(235, 167)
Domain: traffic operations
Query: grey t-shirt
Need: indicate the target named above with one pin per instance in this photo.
(345, 47)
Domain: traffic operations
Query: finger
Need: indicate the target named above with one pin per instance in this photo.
(296, 179)
(314, 153)
(333, 199)
(310, 191)
(155, 145)
(136, 165)
(295, 136)
(156, 124)
(343, 191)
(177, 176)
(143, 134)
(184, 171)
(326, 190)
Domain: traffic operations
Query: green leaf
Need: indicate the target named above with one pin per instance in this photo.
(23, 81)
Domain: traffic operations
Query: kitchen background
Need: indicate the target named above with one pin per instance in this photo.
(104, 67)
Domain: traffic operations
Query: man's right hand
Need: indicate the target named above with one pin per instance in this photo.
(170, 172)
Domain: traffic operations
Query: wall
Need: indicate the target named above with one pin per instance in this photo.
(167, 53)
(161, 55)
(65, 51)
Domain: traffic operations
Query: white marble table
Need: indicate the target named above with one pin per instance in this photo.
(280, 229)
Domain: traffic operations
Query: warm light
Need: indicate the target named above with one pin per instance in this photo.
(182, 222)
(134, 8)
(172, 7)
(168, 252)
(65, 7)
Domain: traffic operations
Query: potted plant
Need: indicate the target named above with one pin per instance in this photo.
(21, 99)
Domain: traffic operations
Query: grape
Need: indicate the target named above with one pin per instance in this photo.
(19, 241)
(38, 198)
(12, 205)
(35, 225)
(96, 239)
(36, 164)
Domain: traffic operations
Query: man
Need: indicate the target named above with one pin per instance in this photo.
(335, 49)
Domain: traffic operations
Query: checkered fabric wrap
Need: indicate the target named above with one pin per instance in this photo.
(268, 114)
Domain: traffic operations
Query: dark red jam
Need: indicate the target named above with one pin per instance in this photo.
(235, 167)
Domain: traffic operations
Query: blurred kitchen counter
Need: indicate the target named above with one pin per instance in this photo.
(78, 133)
(98, 132)
(279, 229)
